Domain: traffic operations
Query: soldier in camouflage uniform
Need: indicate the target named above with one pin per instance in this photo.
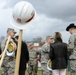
(72, 48)
(33, 63)
(8, 64)
(45, 55)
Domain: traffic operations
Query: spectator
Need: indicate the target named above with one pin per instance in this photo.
(72, 48)
(45, 55)
(33, 60)
(58, 55)
(24, 57)
(8, 65)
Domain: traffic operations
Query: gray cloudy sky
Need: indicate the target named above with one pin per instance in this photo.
(52, 16)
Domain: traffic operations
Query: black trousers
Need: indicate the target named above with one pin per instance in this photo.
(22, 72)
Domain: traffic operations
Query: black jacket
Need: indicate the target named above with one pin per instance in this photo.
(58, 55)
(24, 56)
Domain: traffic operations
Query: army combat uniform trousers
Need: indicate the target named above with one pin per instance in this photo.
(32, 67)
(73, 67)
(8, 65)
(45, 71)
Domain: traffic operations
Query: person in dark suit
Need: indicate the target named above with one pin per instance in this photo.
(58, 55)
(24, 56)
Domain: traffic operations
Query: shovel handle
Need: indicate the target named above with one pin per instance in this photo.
(18, 53)
(3, 54)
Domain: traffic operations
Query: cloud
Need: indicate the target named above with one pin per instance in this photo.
(60, 9)
(44, 26)
(64, 36)
(52, 16)
(2, 4)
(4, 20)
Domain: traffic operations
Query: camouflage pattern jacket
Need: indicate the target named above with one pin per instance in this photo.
(3, 44)
(45, 53)
(72, 46)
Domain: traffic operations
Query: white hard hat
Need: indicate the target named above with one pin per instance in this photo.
(49, 65)
(22, 14)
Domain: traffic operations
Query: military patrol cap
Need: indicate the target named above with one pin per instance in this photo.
(43, 40)
(72, 25)
(49, 37)
(11, 29)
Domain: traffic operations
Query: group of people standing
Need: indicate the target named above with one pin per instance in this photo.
(53, 49)
(59, 53)
(8, 65)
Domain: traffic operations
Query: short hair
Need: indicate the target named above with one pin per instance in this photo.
(17, 37)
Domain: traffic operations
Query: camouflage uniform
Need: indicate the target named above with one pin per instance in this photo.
(44, 58)
(8, 64)
(72, 53)
(33, 64)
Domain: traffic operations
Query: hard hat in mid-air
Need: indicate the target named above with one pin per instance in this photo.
(22, 14)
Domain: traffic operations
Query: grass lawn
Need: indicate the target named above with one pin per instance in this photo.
(40, 72)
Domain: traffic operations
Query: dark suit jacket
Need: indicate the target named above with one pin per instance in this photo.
(24, 56)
